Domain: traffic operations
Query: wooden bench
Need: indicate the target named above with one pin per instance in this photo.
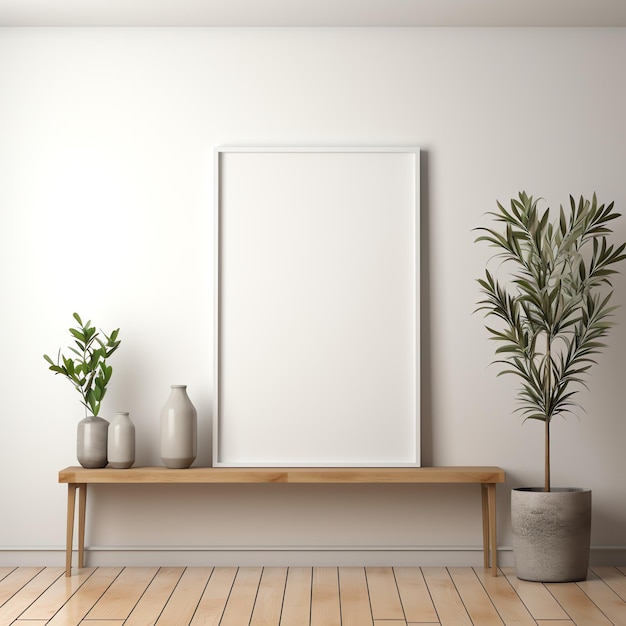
(78, 478)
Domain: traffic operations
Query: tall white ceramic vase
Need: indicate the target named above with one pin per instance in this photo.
(179, 421)
(121, 441)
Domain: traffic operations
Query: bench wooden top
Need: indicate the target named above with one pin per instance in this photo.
(370, 475)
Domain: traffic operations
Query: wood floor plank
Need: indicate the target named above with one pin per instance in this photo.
(325, 606)
(15, 580)
(216, 593)
(446, 599)
(477, 603)
(153, 601)
(75, 609)
(269, 599)
(508, 604)
(185, 598)
(384, 595)
(122, 596)
(615, 579)
(605, 598)
(102, 622)
(579, 608)
(389, 622)
(354, 598)
(297, 600)
(5, 571)
(57, 595)
(555, 622)
(242, 597)
(537, 599)
(416, 601)
(20, 602)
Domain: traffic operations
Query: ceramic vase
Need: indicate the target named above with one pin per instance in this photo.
(121, 441)
(178, 429)
(91, 442)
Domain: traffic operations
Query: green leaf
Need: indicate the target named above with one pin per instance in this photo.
(87, 370)
(550, 327)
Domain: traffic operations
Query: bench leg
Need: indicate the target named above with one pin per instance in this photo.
(490, 545)
(491, 489)
(486, 544)
(82, 508)
(69, 537)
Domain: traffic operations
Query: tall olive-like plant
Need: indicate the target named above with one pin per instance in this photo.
(552, 302)
(87, 370)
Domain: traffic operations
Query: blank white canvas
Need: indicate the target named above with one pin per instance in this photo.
(318, 307)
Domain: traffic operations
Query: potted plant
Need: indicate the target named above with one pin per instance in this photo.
(553, 308)
(88, 372)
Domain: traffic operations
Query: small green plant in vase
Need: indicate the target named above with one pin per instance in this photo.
(87, 370)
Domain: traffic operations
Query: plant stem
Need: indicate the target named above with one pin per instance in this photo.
(547, 459)
(547, 415)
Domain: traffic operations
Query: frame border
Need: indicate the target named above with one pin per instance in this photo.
(219, 153)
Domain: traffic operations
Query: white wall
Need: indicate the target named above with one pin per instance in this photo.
(106, 140)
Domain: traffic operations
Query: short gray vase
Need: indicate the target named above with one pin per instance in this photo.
(551, 533)
(91, 442)
(121, 445)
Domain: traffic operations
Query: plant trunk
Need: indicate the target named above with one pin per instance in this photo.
(548, 415)
(547, 457)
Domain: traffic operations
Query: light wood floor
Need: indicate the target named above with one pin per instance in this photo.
(319, 596)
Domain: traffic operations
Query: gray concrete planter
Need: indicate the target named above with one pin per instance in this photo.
(551, 533)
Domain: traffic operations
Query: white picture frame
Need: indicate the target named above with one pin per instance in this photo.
(318, 311)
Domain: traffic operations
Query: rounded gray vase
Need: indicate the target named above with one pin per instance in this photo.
(91, 442)
(551, 533)
(178, 429)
